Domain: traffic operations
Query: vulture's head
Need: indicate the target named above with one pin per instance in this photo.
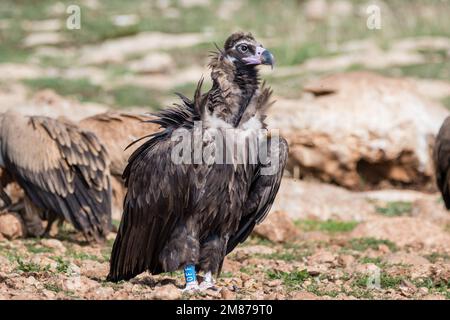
(243, 50)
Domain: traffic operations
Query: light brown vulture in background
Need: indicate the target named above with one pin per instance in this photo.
(441, 157)
(116, 131)
(63, 170)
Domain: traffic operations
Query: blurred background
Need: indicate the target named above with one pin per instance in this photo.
(362, 88)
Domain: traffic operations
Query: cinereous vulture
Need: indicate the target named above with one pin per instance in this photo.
(64, 172)
(191, 215)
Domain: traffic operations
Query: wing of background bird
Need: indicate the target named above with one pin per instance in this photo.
(116, 130)
(441, 157)
(157, 197)
(260, 197)
(64, 169)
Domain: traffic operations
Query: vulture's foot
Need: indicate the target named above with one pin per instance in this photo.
(208, 282)
(191, 287)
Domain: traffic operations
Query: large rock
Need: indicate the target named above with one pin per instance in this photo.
(361, 129)
(319, 201)
(277, 227)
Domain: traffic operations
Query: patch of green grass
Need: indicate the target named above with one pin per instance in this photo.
(52, 287)
(436, 256)
(362, 244)
(315, 289)
(83, 256)
(376, 261)
(330, 226)
(247, 270)
(386, 281)
(226, 274)
(292, 279)
(446, 103)
(287, 55)
(62, 266)
(291, 254)
(432, 70)
(395, 208)
(80, 88)
(32, 248)
(26, 266)
(434, 286)
(131, 95)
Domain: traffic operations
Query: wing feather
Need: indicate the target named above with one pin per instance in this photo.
(57, 173)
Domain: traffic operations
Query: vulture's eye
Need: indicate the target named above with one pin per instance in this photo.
(243, 48)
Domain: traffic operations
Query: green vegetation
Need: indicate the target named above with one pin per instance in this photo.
(436, 256)
(63, 266)
(387, 281)
(395, 208)
(446, 103)
(27, 266)
(331, 226)
(287, 255)
(130, 95)
(292, 279)
(82, 88)
(362, 244)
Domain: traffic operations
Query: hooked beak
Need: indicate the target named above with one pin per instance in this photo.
(261, 56)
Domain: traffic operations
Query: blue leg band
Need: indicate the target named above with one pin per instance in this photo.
(189, 274)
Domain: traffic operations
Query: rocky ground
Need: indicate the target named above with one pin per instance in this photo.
(374, 227)
(396, 248)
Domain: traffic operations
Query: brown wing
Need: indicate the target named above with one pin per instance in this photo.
(116, 130)
(61, 168)
(441, 157)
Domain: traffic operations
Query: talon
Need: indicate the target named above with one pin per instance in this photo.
(191, 287)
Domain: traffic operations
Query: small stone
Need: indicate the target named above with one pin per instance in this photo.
(11, 226)
(274, 283)
(227, 294)
(167, 292)
(346, 260)
(53, 244)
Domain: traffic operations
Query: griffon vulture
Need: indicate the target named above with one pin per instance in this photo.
(116, 130)
(190, 215)
(64, 172)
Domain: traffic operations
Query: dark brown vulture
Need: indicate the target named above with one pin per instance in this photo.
(116, 130)
(64, 172)
(190, 215)
(441, 157)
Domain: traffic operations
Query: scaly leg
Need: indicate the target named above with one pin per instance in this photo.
(208, 282)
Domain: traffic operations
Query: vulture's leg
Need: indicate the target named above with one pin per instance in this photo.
(212, 252)
(32, 219)
(5, 198)
(51, 219)
(182, 251)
